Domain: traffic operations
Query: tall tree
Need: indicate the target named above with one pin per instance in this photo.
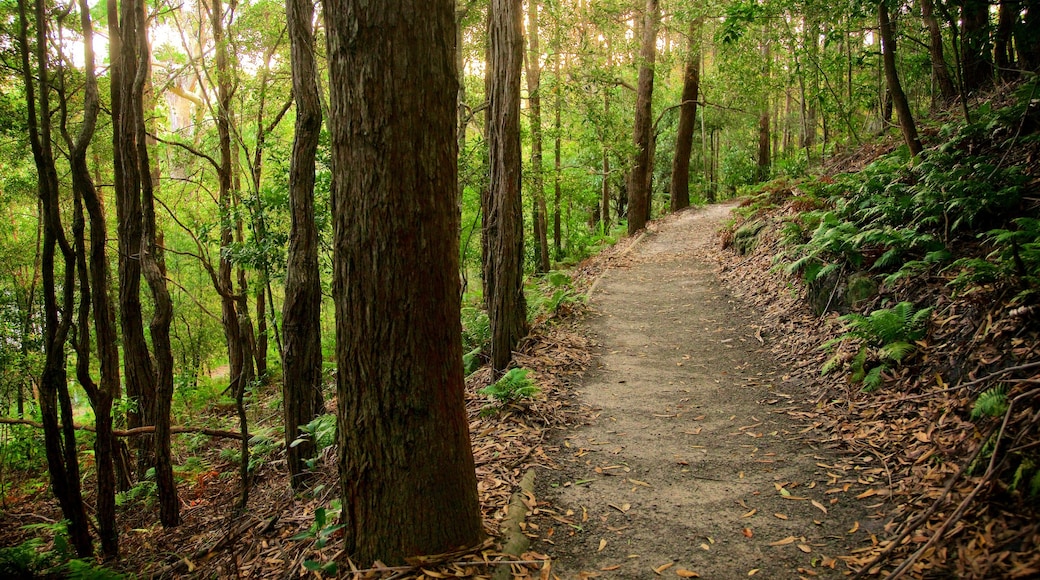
(95, 294)
(764, 157)
(502, 229)
(947, 92)
(902, 107)
(301, 311)
(406, 465)
(680, 197)
(638, 181)
(139, 248)
(126, 104)
(534, 76)
(976, 48)
(59, 439)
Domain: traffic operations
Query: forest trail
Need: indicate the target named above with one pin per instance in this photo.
(693, 462)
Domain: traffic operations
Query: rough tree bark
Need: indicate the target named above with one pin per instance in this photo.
(301, 311)
(888, 51)
(947, 91)
(638, 190)
(534, 76)
(59, 438)
(502, 228)
(126, 94)
(406, 465)
(1003, 47)
(687, 120)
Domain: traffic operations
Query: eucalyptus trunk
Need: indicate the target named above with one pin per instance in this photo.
(638, 179)
(888, 52)
(502, 229)
(406, 464)
(680, 197)
(534, 76)
(301, 311)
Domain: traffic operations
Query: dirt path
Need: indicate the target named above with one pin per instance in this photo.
(692, 459)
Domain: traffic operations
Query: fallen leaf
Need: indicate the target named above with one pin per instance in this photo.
(705, 547)
(602, 544)
(867, 494)
(750, 513)
(621, 508)
(780, 516)
(663, 567)
(752, 572)
(819, 506)
(854, 528)
(784, 542)
(747, 532)
(610, 568)
(684, 573)
(805, 548)
(637, 482)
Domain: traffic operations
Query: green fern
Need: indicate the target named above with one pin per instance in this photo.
(512, 387)
(991, 403)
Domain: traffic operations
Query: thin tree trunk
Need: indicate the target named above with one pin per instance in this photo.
(301, 310)
(503, 219)
(764, 159)
(534, 76)
(638, 191)
(95, 275)
(127, 85)
(680, 197)
(557, 147)
(888, 52)
(406, 465)
(59, 437)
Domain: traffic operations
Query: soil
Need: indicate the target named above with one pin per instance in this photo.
(693, 462)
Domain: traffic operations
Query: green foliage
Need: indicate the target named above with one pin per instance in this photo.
(885, 338)
(512, 387)
(322, 431)
(32, 559)
(321, 531)
(991, 403)
(143, 491)
(548, 296)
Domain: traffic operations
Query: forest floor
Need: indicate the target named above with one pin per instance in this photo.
(695, 459)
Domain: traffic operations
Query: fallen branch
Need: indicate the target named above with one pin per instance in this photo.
(135, 431)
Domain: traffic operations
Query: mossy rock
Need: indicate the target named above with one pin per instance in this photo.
(860, 288)
(746, 236)
(827, 293)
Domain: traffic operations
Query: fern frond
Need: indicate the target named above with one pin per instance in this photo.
(897, 351)
(873, 380)
(991, 403)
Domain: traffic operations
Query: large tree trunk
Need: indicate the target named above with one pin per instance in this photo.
(503, 217)
(534, 76)
(59, 437)
(976, 50)
(638, 180)
(947, 92)
(301, 311)
(406, 465)
(888, 52)
(1027, 41)
(687, 121)
(1003, 51)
